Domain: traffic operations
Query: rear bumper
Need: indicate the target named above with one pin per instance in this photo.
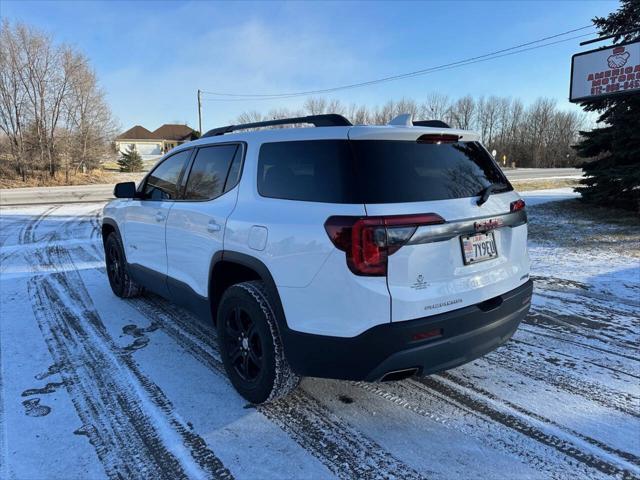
(465, 334)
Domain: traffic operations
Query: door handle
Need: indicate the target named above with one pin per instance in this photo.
(213, 226)
(160, 217)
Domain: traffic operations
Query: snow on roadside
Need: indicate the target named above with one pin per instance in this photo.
(536, 197)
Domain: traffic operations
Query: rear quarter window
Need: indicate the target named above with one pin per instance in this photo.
(307, 170)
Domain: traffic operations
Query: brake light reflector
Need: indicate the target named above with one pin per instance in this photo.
(517, 205)
(426, 335)
(438, 139)
(368, 241)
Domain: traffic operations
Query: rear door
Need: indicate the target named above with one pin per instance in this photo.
(146, 217)
(421, 171)
(196, 223)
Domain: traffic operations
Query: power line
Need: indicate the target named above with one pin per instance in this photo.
(469, 61)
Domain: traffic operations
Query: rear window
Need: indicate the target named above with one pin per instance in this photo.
(375, 171)
(400, 171)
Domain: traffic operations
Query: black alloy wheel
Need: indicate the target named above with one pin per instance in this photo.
(117, 269)
(250, 344)
(115, 266)
(244, 347)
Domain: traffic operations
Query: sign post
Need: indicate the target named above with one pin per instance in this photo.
(605, 72)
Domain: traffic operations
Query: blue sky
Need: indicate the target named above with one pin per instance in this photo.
(151, 57)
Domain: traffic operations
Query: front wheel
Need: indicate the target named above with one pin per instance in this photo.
(121, 283)
(250, 344)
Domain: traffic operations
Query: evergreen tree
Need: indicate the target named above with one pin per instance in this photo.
(613, 177)
(130, 161)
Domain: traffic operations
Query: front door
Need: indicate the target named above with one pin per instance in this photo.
(146, 217)
(196, 224)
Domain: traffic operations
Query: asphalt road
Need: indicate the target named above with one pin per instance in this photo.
(98, 193)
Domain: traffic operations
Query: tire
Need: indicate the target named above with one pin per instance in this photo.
(117, 270)
(250, 344)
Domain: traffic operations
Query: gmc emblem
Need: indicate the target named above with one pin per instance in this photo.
(487, 225)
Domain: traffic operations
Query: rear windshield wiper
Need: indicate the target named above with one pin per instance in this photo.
(484, 195)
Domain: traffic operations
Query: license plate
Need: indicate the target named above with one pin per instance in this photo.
(478, 247)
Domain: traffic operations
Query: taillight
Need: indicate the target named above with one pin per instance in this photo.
(368, 241)
(517, 205)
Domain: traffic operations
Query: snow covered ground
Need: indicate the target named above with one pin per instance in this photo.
(96, 387)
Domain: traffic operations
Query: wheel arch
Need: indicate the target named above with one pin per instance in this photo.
(229, 267)
(109, 226)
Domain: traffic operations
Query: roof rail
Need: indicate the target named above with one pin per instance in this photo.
(325, 120)
(431, 123)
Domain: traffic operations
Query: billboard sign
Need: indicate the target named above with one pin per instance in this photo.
(605, 71)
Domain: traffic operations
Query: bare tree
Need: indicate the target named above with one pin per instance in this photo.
(436, 107)
(462, 112)
(13, 99)
(539, 135)
(52, 111)
(88, 118)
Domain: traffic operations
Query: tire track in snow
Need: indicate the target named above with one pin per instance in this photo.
(155, 309)
(27, 234)
(8, 227)
(617, 368)
(148, 439)
(544, 319)
(346, 452)
(482, 414)
(521, 425)
(513, 357)
(413, 396)
(343, 450)
(491, 397)
(113, 419)
(147, 414)
(4, 454)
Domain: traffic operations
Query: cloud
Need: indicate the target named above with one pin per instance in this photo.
(253, 56)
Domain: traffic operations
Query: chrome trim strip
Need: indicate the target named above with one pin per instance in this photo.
(449, 230)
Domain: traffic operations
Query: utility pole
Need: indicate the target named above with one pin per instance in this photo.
(199, 113)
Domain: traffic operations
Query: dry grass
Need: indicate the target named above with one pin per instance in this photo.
(93, 177)
(544, 183)
(574, 224)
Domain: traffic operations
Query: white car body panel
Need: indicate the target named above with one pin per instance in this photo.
(195, 233)
(144, 240)
(297, 243)
(431, 278)
(337, 302)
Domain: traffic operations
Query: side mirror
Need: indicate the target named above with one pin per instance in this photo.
(125, 190)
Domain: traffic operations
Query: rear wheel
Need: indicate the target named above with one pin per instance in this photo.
(121, 283)
(250, 344)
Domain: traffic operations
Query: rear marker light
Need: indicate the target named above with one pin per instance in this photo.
(426, 335)
(369, 241)
(517, 205)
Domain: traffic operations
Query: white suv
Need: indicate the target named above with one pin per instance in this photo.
(349, 252)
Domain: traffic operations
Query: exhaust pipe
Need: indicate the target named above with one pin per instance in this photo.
(395, 375)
